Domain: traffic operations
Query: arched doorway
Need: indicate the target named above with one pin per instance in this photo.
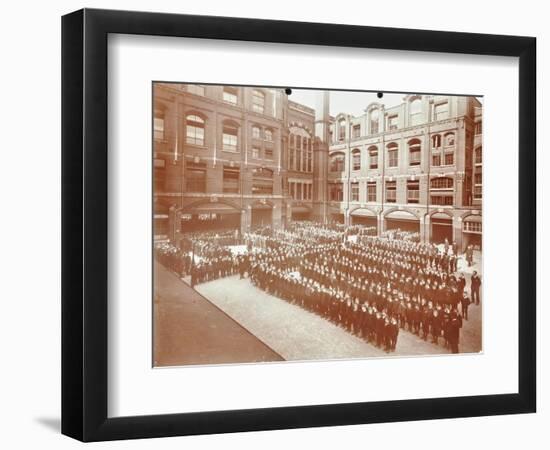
(402, 220)
(472, 231)
(300, 212)
(364, 217)
(261, 215)
(441, 228)
(211, 216)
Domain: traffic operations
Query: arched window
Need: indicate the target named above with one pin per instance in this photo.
(258, 101)
(194, 129)
(442, 183)
(268, 135)
(415, 112)
(449, 140)
(373, 157)
(374, 121)
(342, 130)
(230, 95)
(478, 156)
(337, 161)
(230, 136)
(298, 143)
(309, 151)
(356, 159)
(393, 154)
(414, 152)
(300, 150)
(291, 152)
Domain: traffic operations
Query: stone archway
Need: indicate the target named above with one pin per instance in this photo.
(401, 219)
(210, 215)
(261, 214)
(364, 216)
(441, 227)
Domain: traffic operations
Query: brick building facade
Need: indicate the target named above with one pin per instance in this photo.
(235, 157)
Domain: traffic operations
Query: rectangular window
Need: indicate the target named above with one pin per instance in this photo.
(392, 158)
(342, 131)
(230, 180)
(442, 200)
(374, 126)
(478, 156)
(195, 177)
(478, 128)
(337, 163)
(441, 111)
(256, 152)
(262, 181)
(268, 153)
(354, 192)
(356, 131)
(229, 138)
(160, 174)
(436, 160)
(261, 187)
(258, 100)
(373, 159)
(310, 192)
(299, 191)
(356, 158)
(391, 191)
(230, 95)
(473, 227)
(393, 122)
(291, 190)
(195, 132)
(256, 132)
(449, 159)
(478, 192)
(477, 178)
(414, 156)
(310, 159)
(336, 192)
(158, 127)
(413, 191)
(196, 89)
(371, 191)
(268, 135)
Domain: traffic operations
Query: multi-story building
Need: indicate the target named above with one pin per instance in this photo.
(218, 157)
(410, 167)
(234, 157)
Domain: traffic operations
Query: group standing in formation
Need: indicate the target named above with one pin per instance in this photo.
(371, 286)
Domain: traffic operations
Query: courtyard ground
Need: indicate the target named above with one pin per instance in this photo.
(189, 329)
(229, 320)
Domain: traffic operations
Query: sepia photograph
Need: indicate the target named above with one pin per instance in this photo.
(294, 224)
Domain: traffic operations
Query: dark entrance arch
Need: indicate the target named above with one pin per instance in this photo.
(365, 217)
(300, 213)
(261, 215)
(441, 228)
(210, 216)
(402, 220)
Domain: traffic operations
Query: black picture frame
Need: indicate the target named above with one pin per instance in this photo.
(84, 224)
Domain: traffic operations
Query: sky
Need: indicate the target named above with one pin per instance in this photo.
(353, 103)
(348, 102)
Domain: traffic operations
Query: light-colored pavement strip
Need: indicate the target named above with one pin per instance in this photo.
(297, 334)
